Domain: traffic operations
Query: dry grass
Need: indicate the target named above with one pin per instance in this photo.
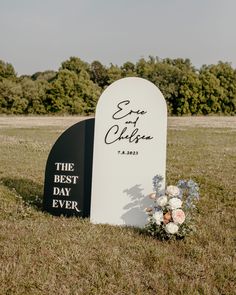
(64, 121)
(202, 122)
(41, 254)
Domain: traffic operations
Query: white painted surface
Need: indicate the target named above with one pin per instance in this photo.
(121, 182)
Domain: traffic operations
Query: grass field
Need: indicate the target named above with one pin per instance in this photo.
(41, 254)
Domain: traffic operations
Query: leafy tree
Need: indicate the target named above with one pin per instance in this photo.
(180, 63)
(35, 93)
(99, 74)
(7, 70)
(166, 76)
(88, 91)
(211, 92)
(75, 64)
(44, 76)
(114, 73)
(128, 69)
(179, 82)
(11, 101)
(188, 98)
(60, 94)
(226, 76)
(72, 93)
(146, 69)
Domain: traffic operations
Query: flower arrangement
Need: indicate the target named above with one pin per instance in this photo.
(171, 216)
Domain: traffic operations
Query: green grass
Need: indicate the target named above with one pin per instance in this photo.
(42, 254)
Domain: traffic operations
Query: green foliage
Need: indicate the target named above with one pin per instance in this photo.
(188, 96)
(44, 76)
(128, 69)
(6, 70)
(34, 93)
(11, 99)
(77, 85)
(211, 92)
(99, 74)
(71, 93)
(75, 64)
(224, 100)
(114, 73)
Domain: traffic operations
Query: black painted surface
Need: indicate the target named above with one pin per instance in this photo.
(74, 146)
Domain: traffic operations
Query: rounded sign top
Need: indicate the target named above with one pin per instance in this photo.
(140, 89)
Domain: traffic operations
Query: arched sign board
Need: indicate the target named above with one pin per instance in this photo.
(67, 187)
(129, 150)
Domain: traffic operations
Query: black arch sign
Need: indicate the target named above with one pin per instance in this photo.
(68, 175)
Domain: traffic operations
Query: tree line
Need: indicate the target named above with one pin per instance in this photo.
(77, 85)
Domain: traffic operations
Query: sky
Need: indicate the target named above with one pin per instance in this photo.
(38, 35)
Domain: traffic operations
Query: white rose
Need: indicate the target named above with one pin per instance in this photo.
(172, 191)
(178, 216)
(171, 228)
(162, 201)
(175, 203)
(158, 216)
(152, 196)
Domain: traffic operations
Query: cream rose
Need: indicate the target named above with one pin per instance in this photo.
(158, 216)
(175, 203)
(152, 196)
(172, 191)
(162, 201)
(178, 216)
(171, 228)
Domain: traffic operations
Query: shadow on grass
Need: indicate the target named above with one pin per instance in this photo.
(30, 191)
